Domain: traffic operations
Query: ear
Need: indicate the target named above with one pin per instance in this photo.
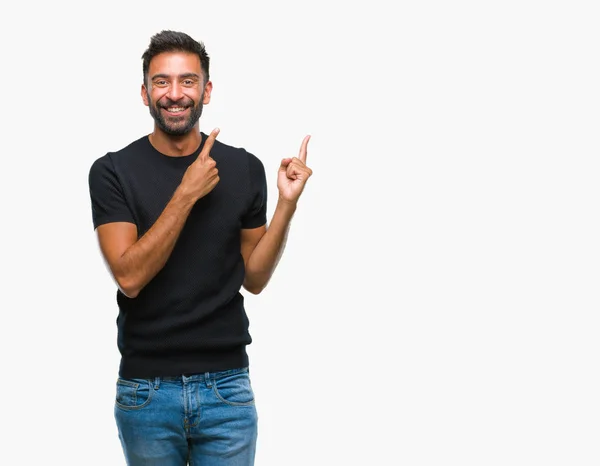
(207, 92)
(145, 95)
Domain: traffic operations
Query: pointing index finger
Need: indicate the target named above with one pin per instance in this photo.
(302, 154)
(209, 143)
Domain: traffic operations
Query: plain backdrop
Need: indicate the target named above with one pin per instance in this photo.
(437, 303)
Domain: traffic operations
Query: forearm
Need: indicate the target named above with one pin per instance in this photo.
(268, 251)
(145, 258)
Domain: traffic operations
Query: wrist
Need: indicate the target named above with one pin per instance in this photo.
(286, 205)
(184, 196)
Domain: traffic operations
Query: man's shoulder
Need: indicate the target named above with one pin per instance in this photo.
(132, 149)
(237, 152)
(136, 147)
(228, 148)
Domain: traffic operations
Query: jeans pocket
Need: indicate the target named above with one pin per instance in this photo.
(133, 393)
(234, 389)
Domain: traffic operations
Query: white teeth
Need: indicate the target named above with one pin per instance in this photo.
(176, 109)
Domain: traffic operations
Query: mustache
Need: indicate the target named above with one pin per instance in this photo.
(166, 103)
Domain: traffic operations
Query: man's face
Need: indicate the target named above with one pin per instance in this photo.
(175, 92)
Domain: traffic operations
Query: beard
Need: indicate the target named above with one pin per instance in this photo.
(175, 126)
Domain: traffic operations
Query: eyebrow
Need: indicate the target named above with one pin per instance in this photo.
(184, 75)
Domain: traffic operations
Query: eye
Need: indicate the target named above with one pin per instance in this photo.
(160, 83)
(188, 82)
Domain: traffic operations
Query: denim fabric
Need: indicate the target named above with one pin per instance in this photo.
(201, 420)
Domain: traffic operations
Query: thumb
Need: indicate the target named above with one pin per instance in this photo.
(284, 163)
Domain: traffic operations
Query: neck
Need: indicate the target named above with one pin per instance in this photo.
(175, 146)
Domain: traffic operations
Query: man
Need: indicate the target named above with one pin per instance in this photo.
(181, 223)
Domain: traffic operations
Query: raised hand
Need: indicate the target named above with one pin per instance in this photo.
(202, 176)
(293, 174)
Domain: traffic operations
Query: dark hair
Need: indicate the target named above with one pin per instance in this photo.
(173, 41)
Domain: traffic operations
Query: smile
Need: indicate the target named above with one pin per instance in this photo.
(175, 110)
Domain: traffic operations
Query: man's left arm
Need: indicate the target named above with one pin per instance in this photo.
(263, 247)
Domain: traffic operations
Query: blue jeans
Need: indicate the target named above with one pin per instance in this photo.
(201, 420)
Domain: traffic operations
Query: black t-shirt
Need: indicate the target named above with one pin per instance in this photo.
(190, 317)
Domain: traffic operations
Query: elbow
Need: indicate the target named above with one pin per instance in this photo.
(128, 287)
(256, 281)
(254, 288)
(131, 294)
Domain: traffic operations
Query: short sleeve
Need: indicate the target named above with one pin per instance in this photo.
(107, 198)
(256, 214)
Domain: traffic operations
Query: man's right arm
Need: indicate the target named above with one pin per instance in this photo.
(134, 262)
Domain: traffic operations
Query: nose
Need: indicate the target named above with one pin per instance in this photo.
(175, 91)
